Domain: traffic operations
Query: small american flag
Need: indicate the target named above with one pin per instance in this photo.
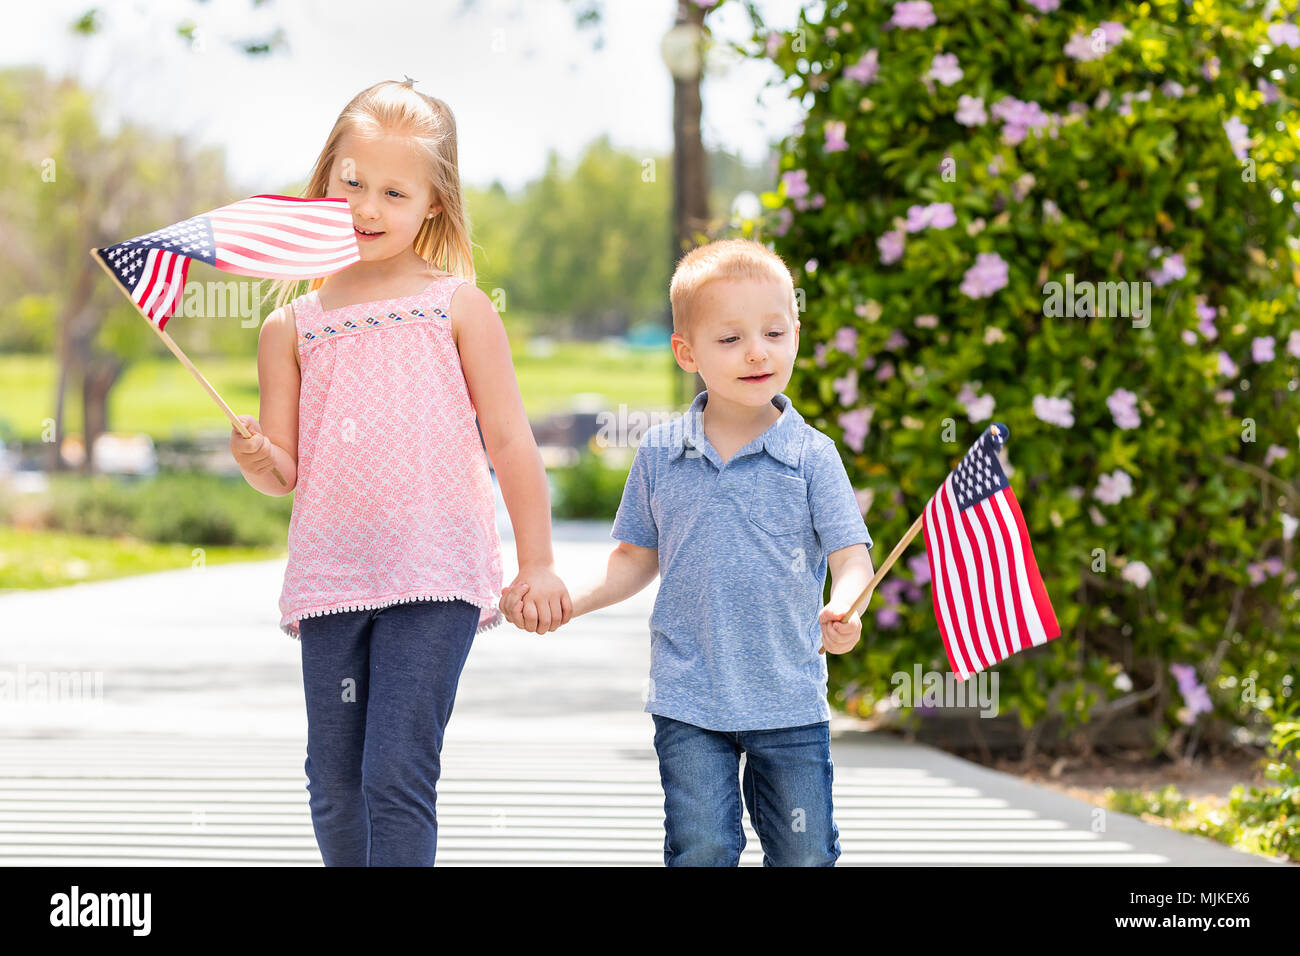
(273, 237)
(989, 598)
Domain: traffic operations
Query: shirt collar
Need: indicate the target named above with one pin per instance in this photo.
(782, 440)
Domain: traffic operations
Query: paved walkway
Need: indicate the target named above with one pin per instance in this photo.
(193, 754)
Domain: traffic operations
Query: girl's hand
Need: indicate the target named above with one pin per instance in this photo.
(839, 636)
(253, 454)
(537, 600)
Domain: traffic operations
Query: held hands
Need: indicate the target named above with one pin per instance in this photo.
(537, 600)
(839, 636)
(252, 454)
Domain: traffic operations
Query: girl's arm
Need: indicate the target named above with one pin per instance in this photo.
(480, 337)
(275, 431)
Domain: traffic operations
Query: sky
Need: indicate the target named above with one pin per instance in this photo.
(520, 77)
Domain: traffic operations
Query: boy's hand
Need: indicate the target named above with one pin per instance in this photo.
(839, 637)
(537, 601)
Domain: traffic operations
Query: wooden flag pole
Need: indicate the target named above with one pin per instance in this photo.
(176, 350)
(864, 598)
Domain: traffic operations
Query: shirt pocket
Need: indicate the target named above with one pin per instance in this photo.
(780, 503)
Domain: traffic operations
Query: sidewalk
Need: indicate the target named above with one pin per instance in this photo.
(194, 754)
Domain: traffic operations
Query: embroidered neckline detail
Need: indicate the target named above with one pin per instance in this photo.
(310, 337)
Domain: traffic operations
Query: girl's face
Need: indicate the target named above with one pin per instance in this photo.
(386, 186)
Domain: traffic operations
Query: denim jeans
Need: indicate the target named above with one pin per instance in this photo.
(786, 787)
(380, 685)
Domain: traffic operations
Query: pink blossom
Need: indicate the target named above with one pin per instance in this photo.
(1238, 136)
(1171, 269)
(977, 407)
(1261, 349)
(1137, 573)
(1284, 34)
(970, 111)
(1194, 693)
(1188, 337)
(1207, 314)
(887, 618)
(846, 340)
(913, 14)
(926, 321)
(944, 69)
(1293, 344)
(1019, 117)
(986, 276)
(856, 425)
(1123, 408)
(819, 354)
(895, 341)
(1211, 69)
(919, 565)
(1274, 453)
(1095, 45)
(1226, 365)
(784, 220)
(1112, 31)
(1054, 411)
(847, 387)
(1045, 6)
(885, 372)
(835, 141)
(937, 215)
(1172, 89)
(773, 43)
(1113, 488)
(1270, 91)
(796, 183)
(864, 71)
(891, 246)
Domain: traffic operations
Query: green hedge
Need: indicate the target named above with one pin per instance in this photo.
(951, 165)
(171, 507)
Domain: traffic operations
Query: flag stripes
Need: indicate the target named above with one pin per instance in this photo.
(270, 237)
(988, 595)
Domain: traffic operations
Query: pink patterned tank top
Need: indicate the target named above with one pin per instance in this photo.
(394, 500)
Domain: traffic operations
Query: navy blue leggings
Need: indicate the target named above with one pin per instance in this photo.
(380, 685)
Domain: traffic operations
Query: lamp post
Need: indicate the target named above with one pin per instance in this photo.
(682, 49)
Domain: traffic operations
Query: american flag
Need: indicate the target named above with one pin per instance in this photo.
(988, 596)
(273, 237)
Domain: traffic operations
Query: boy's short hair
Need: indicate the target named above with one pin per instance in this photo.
(724, 259)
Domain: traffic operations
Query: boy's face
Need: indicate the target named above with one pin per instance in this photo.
(387, 191)
(741, 328)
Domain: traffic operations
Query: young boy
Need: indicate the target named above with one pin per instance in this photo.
(739, 506)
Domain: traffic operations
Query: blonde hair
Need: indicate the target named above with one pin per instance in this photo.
(724, 259)
(392, 106)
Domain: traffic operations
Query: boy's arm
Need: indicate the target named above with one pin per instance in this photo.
(629, 569)
(851, 571)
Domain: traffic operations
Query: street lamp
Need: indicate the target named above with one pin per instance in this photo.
(682, 49)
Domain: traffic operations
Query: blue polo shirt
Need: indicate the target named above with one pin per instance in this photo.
(742, 568)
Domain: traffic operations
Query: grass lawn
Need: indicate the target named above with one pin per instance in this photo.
(44, 559)
(159, 396)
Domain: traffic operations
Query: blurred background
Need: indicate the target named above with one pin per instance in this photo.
(934, 173)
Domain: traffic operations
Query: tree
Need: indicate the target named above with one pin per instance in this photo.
(959, 167)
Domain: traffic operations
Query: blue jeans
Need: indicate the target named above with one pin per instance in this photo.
(786, 787)
(380, 685)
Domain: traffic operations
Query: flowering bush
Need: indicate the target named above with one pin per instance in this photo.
(961, 164)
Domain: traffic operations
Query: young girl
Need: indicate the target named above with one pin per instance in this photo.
(370, 384)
